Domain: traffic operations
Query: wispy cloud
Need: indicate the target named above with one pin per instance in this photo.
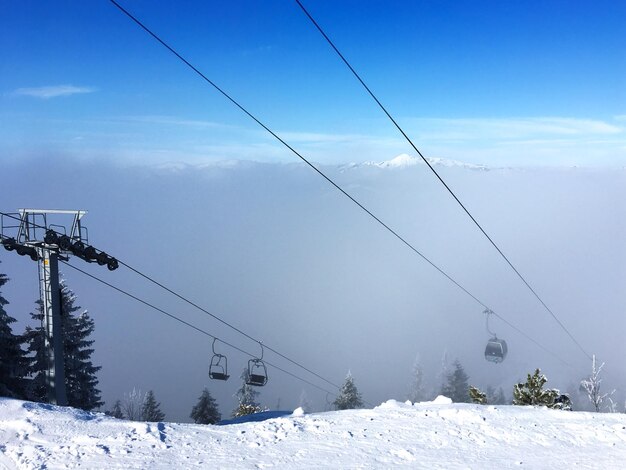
(511, 128)
(173, 121)
(54, 91)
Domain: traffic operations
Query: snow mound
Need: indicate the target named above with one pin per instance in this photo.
(437, 434)
(441, 400)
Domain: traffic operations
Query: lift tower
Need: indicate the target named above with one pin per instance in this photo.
(46, 244)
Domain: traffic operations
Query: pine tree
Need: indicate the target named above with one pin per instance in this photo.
(349, 397)
(495, 397)
(416, 391)
(80, 373)
(38, 364)
(457, 388)
(444, 370)
(133, 404)
(246, 398)
(477, 396)
(116, 411)
(591, 386)
(205, 411)
(151, 409)
(304, 402)
(532, 392)
(13, 361)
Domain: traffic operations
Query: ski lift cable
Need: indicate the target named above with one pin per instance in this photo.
(308, 163)
(224, 322)
(511, 325)
(193, 304)
(552, 353)
(295, 152)
(190, 325)
(441, 180)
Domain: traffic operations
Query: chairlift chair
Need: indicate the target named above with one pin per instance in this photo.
(257, 371)
(218, 369)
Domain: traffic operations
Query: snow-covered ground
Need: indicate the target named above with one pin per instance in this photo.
(429, 435)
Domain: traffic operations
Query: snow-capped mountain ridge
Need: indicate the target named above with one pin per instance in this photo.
(404, 161)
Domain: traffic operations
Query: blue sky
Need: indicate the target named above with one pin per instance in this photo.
(499, 83)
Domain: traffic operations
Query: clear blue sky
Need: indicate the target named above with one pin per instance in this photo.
(494, 82)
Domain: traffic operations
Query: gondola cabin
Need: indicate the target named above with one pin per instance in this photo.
(496, 350)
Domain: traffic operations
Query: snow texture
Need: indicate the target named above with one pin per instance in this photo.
(430, 435)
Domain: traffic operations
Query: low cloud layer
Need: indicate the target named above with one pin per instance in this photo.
(279, 253)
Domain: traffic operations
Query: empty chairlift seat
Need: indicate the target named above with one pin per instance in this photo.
(218, 368)
(257, 373)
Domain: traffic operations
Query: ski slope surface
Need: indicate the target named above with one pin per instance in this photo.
(436, 434)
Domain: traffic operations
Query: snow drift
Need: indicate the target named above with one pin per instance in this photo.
(436, 434)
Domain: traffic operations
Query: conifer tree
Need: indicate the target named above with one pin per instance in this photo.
(116, 411)
(304, 402)
(591, 386)
(349, 396)
(495, 397)
(205, 411)
(246, 397)
(457, 388)
(13, 361)
(151, 410)
(416, 390)
(80, 373)
(477, 396)
(38, 364)
(133, 404)
(532, 392)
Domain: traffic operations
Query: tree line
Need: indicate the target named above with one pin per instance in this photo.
(23, 367)
(23, 357)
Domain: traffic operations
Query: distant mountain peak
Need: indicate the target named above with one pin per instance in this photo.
(404, 160)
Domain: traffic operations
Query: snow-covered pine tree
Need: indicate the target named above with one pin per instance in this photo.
(205, 411)
(133, 404)
(116, 411)
(456, 388)
(444, 371)
(151, 410)
(13, 361)
(477, 396)
(416, 389)
(304, 402)
(349, 396)
(246, 398)
(495, 397)
(532, 392)
(591, 386)
(80, 373)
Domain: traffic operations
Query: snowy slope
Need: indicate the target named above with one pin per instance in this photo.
(426, 435)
